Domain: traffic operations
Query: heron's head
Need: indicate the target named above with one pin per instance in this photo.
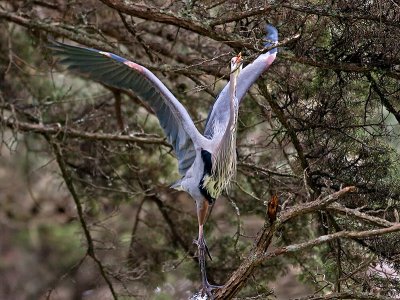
(236, 64)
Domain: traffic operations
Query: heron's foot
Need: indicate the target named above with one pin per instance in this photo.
(206, 289)
(201, 244)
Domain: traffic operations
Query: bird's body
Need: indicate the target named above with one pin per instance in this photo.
(215, 155)
(206, 162)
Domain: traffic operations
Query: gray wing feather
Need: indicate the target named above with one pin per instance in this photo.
(220, 110)
(118, 72)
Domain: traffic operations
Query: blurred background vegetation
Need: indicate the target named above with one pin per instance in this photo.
(324, 116)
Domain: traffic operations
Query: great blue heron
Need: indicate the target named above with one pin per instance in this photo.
(206, 162)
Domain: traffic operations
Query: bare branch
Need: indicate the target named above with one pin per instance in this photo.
(330, 237)
(58, 130)
(65, 30)
(161, 16)
(308, 207)
(355, 213)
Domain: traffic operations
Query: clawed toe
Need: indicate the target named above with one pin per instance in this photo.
(207, 289)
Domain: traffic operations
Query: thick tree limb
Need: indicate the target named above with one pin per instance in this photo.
(118, 110)
(317, 204)
(46, 4)
(166, 17)
(241, 15)
(257, 255)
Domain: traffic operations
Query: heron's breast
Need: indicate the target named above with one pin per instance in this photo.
(203, 184)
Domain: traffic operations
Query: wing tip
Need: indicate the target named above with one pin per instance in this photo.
(271, 37)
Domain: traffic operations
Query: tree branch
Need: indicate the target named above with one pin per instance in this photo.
(317, 204)
(256, 256)
(355, 213)
(62, 131)
(90, 246)
(82, 37)
(68, 31)
(161, 16)
(386, 103)
(241, 15)
(330, 237)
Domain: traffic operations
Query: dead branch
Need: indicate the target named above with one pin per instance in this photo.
(357, 214)
(63, 131)
(330, 237)
(257, 255)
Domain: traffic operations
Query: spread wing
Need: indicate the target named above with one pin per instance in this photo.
(118, 72)
(220, 110)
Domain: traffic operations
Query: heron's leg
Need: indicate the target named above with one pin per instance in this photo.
(202, 212)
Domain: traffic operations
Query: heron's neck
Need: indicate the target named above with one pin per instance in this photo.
(224, 157)
(232, 99)
(230, 129)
